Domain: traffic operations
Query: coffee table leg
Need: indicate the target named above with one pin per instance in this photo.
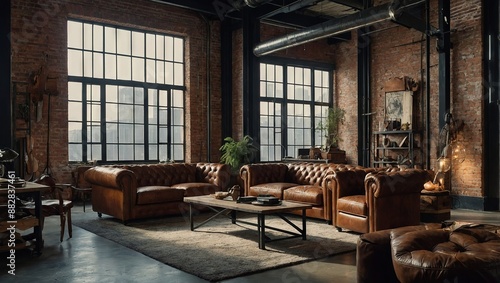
(261, 227)
(191, 216)
(233, 216)
(304, 224)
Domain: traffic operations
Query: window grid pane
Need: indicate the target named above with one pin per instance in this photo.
(305, 95)
(110, 121)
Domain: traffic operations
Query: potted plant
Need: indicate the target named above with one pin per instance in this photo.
(237, 153)
(330, 127)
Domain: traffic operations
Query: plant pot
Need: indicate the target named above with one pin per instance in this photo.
(334, 155)
(324, 154)
(314, 153)
(235, 180)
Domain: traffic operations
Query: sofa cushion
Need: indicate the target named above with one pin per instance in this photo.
(197, 189)
(308, 194)
(353, 204)
(274, 189)
(158, 194)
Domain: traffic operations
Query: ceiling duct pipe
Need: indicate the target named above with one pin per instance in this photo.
(256, 3)
(238, 5)
(389, 11)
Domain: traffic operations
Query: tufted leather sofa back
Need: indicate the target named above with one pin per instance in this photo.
(314, 173)
(162, 174)
(351, 182)
(264, 173)
(214, 173)
(307, 173)
(177, 173)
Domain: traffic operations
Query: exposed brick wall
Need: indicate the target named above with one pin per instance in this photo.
(467, 94)
(346, 95)
(237, 86)
(39, 31)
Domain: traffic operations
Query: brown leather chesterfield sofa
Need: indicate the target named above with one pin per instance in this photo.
(365, 201)
(428, 253)
(299, 182)
(140, 191)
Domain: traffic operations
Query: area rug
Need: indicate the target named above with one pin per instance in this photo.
(221, 250)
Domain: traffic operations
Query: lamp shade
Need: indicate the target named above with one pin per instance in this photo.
(458, 153)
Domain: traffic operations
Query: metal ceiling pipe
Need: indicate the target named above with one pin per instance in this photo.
(256, 3)
(389, 11)
(240, 4)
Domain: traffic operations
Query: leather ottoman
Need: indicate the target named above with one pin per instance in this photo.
(440, 255)
(373, 254)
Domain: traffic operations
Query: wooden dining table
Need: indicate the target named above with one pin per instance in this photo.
(25, 189)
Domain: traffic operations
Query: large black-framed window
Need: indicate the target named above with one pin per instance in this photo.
(294, 98)
(126, 94)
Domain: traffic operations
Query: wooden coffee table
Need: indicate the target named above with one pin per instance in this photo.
(222, 206)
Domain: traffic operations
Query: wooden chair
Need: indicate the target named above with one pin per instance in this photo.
(56, 201)
(79, 184)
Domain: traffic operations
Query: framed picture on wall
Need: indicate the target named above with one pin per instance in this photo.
(399, 107)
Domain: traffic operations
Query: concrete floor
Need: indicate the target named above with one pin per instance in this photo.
(90, 258)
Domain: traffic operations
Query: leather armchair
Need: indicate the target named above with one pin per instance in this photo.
(367, 202)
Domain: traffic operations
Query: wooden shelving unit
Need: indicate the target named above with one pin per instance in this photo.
(391, 145)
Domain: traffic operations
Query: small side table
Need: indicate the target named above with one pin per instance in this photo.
(83, 192)
(435, 206)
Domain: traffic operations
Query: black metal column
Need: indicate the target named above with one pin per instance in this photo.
(444, 47)
(6, 100)
(427, 126)
(251, 35)
(227, 78)
(364, 97)
(491, 103)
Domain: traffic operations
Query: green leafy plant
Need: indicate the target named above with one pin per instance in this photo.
(330, 126)
(237, 153)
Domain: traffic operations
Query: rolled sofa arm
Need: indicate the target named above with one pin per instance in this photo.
(111, 177)
(114, 191)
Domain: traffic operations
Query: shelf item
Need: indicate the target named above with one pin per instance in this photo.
(402, 143)
(398, 110)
